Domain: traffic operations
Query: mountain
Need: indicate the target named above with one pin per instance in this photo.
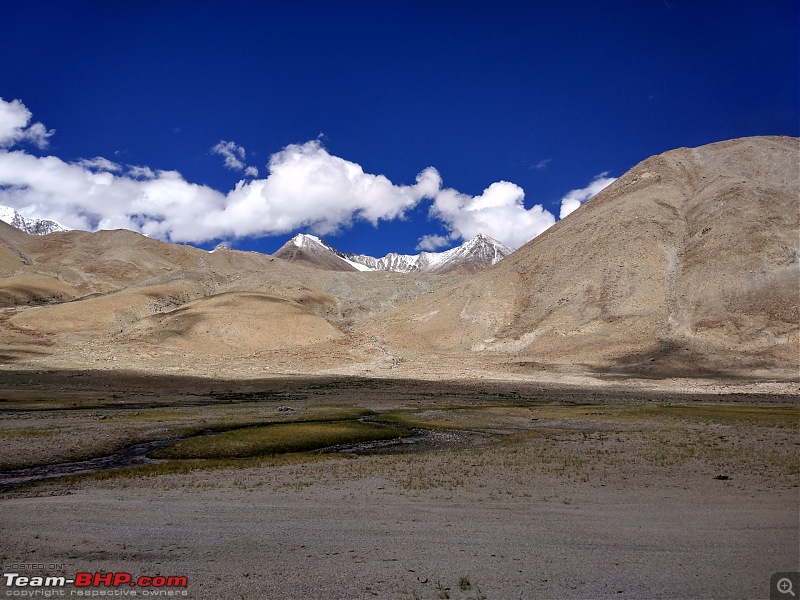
(474, 255)
(311, 251)
(117, 299)
(688, 264)
(33, 226)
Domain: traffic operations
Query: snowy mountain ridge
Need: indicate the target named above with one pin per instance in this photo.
(473, 255)
(478, 253)
(33, 226)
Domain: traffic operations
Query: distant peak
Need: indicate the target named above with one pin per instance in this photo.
(484, 239)
(480, 252)
(220, 246)
(29, 225)
(304, 239)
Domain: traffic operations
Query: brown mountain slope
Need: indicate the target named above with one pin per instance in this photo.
(312, 253)
(688, 264)
(112, 299)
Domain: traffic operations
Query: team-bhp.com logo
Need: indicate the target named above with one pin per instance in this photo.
(120, 584)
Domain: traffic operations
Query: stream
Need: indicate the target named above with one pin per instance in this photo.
(137, 454)
(129, 456)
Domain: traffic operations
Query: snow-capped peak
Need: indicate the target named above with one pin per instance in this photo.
(28, 225)
(480, 252)
(303, 240)
(220, 246)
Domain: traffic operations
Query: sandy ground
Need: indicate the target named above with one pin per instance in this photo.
(676, 539)
(605, 498)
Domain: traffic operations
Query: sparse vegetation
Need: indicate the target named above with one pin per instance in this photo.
(277, 439)
(183, 467)
(585, 442)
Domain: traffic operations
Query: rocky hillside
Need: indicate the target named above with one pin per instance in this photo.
(688, 264)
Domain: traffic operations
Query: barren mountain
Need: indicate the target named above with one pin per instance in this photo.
(311, 251)
(687, 265)
(117, 299)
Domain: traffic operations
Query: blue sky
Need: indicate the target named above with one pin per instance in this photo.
(364, 98)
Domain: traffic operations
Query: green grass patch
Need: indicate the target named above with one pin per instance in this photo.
(277, 439)
(333, 412)
(461, 417)
(183, 467)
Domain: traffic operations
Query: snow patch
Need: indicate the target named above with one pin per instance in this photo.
(28, 225)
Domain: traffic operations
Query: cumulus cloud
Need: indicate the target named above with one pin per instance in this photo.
(161, 206)
(14, 126)
(499, 212)
(234, 156)
(309, 188)
(432, 242)
(575, 198)
(306, 189)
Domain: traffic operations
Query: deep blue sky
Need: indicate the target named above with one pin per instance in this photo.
(483, 92)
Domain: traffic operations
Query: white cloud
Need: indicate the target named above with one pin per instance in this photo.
(163, 206)
(98, 163)
(432, 242)
(575, 198)
(234, 156)
(307, 188)
(542, 164)
(499, 212)
(14, 126)
(137, 172)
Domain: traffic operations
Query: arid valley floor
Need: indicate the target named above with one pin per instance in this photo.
(508, 490)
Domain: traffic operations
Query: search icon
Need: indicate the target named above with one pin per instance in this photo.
(784, 586)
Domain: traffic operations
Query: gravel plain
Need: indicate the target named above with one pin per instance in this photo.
(558, 494)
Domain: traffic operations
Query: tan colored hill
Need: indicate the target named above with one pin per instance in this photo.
(688, 264)
(312, 252)
(685, 266)
(116, 299)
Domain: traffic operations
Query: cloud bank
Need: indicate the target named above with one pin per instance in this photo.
(307, 188)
